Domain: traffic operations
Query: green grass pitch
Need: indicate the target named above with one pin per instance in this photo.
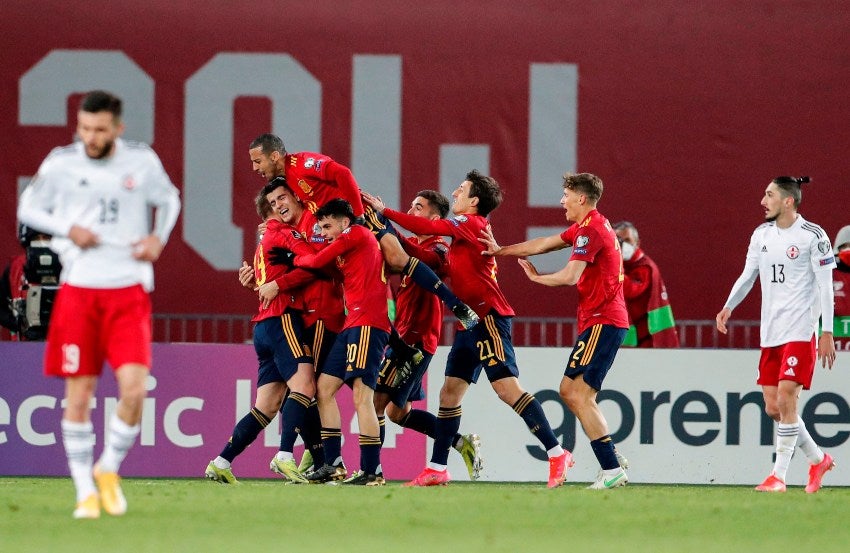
(266, 515)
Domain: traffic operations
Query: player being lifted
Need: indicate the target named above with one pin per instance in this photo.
(419, 321)
(486, 346)
(317, 179)
(793, 260)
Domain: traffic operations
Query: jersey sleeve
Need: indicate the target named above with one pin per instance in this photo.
(434, 255)
(163, 195)
(37, 203)
(345, 182)
(587, 242)
(343, 244)
(748, 276)
(421, 225)
(569, 235)
(821, 255)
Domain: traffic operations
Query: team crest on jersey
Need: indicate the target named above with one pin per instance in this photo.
(793, 252)
(129, 182)
(302, 184)
(792, 361)
(582, 241)
(823, 246)
(309, 163)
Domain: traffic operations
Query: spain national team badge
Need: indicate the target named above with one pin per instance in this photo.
(129, 182)
(793, 252)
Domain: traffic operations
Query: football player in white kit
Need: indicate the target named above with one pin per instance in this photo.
(94, 197)
(793, 259)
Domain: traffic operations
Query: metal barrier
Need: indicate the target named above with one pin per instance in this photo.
(527, 331)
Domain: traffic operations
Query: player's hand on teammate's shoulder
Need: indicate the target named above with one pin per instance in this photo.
(374, 201)
(148, 248)
(489, 241)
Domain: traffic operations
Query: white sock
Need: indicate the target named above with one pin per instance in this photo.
(786, 439)
(78, 439)
(808, 445)
(556, 451)
(437, 466)
(284, 455)
(221, 462)
(612, 472)
(119, 439)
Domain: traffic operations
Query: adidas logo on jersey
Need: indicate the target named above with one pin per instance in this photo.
(764, 249)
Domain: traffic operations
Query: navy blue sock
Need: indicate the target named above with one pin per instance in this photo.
(245, 432)
(332, 444)
(603, 448)
(311, 433)
(382, 422)
(420, 421)
(370, 453)
(422, 275)
(448, 423)
(531, 412)
(292, 412)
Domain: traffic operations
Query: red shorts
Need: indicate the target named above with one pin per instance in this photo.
(90, 325)
(792, 361)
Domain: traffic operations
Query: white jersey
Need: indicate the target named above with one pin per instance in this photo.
(792, 264)
(112, 198)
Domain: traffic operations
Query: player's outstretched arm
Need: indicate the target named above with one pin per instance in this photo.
(567, 276)
(534, 246)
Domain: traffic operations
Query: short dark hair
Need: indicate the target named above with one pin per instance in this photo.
(584, 183)
(269, 143)
(436, 200)
(790, 186)
(336, 208)
(274, 184)
(100, 100)
(486, 189)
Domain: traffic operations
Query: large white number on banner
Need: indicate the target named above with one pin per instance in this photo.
(296, 98)
(45, 88)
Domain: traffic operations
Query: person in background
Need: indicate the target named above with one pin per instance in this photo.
(841, 286)
(650, 315)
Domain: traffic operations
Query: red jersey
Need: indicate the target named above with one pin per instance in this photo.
(473, 275)
(317, 179)
(358, 257)
(275, 235)
(419, 313)
(600, 286)
(318, 298)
